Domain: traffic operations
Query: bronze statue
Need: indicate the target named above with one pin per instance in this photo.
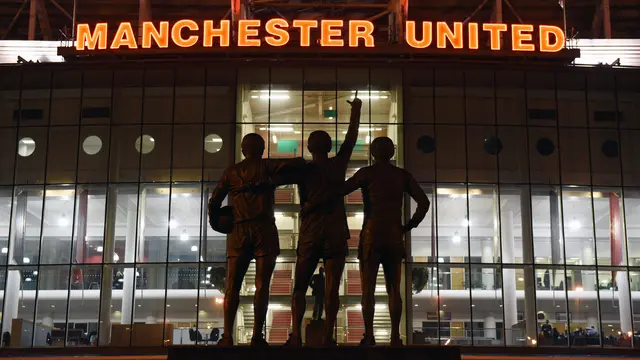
(324, 231)
(381, 240)
(253, 231)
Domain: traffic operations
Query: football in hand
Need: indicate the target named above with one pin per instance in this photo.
(223, 223)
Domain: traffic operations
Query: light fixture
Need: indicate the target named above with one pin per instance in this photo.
(4, 250)
(277, 129)
(367, 139)
(194, 248)
(209, 268)
(219, 300)
(35, 272)
(444, 305)
(365, 129)
(208, 276)
(473, 305)
(139, 305)
(26, 260)
(455, 238)
(63, 221)
(173, 223)
(416, 305)
(168, 305)
(99, 249)
(575, 224)
(447, 343)
(27, 279)
(184, 236)
(116, 257)
(579, 289)
(520, 279)
(274, 138)
(440, 260)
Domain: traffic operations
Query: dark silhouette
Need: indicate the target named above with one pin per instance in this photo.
(317, 287)
(324, 231)
(254, 234)
(383, 187)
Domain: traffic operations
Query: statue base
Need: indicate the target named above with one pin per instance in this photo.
(309, 353)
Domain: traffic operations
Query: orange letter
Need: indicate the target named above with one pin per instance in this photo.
(176, 33)
(124, 36)
(517, 37)
(545, 41)
(244, 32)
(305, 30)
(495, 30)
(281, 36)
(327, 31)
(360, 29)
(444, 33)
(222, 33)
(473, 35)
(99, 37)
(149, 31)
(427, 34)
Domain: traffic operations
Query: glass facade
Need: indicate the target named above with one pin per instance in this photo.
(533, 176)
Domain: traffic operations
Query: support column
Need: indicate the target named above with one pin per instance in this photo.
(33, 12)
(509, 278)
(624, 301)
(530, 317)
(487, 258)
(106, 286)
(606, 14)
(129, 273)
(490, 327)
(16, 250)
(586, 256)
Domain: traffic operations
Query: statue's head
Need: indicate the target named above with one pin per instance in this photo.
(382, 148)
(252, 145)
(319, 142)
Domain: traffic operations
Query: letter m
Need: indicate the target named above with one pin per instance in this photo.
(84, 37)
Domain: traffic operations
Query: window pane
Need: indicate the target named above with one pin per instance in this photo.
(51, 308)
(58, 225)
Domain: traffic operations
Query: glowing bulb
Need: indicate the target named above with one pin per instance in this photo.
(194, 248)
(575, 224)
(63, 221)
(219, 300)
(26, 260)
(99, 249)
(5, 250)
(455, 238)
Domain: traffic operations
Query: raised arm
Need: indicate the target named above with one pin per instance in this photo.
(346, 149)
(418, 195)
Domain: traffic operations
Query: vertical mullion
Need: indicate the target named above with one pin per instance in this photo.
(468, 215)
(109, 194)
(44, 198)
(75, 206)
(202, 233)
(435, 200)
(561, 204)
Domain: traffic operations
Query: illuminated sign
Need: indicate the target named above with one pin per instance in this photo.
(332, 33)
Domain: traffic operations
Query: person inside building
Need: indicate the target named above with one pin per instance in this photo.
(254, 234)
(317, 287)
(323, 231)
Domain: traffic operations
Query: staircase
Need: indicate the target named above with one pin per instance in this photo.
(250, 280)
(281, 283)
(354, 239)
(279, 329)
(355, 326)
(247, 316)
(353, 283)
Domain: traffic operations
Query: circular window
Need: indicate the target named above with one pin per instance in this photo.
(145, 144)
(610, 148)
(426, 144)
(92, 145)
(26, 147)
(492, 145)
(545, 147)
(212, 143)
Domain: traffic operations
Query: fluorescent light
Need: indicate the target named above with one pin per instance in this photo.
(520, 279)
(35, 272)
(455, 238)
(272, 97)
(209, 268)
(26, 260)
(99, 249)
(4, 250)
(440, 260)
(194, 248)
(277, 129)
(215, 140)
(366, 129)
(208, 276)
(274, 139)
(27, 279)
